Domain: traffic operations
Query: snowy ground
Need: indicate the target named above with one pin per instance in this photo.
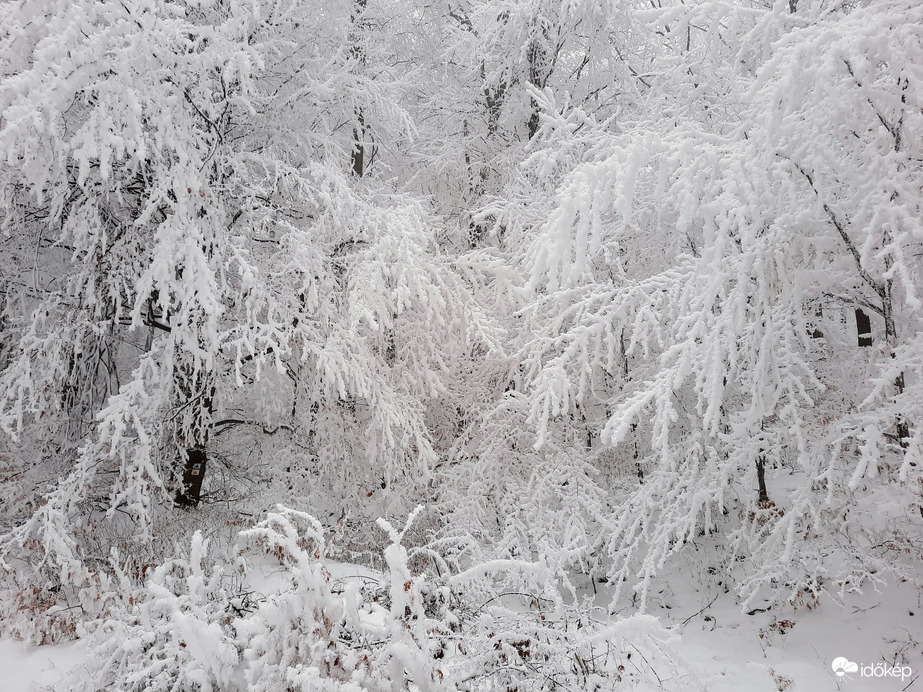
(27, 668)
(792, 650)
(784, 651)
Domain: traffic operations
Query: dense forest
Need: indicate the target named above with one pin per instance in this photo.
(515, 304)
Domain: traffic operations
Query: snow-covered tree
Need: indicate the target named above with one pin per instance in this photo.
(679, 277)
(208, 260)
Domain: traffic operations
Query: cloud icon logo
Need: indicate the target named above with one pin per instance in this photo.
(841, 666)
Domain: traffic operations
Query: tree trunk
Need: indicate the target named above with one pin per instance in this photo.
(903, 427)
(358, 154)
(194, 473)
(636, 455)
(357, 52)
(194, 393)
(863, 328)
(493, 100)
(540, 66)
(763, 496)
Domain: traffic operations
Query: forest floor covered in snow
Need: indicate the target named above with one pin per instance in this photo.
(789, 649)
(721, 648)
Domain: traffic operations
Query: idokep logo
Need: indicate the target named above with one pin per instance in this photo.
(842, 666)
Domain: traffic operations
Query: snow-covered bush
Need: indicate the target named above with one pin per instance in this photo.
(492, 626)
(174, 634)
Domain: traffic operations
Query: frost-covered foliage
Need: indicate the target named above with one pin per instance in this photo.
(681, 279)
(477, 112)
(189, 627)
(198, 245)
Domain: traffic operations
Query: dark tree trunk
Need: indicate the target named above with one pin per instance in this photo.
(763, 496)
(357, 52)
(190, 492)
(195, 392)
(863, 328)
(816, 333)
(358, 155)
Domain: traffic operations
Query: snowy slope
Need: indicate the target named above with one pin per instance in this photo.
(726, 650)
